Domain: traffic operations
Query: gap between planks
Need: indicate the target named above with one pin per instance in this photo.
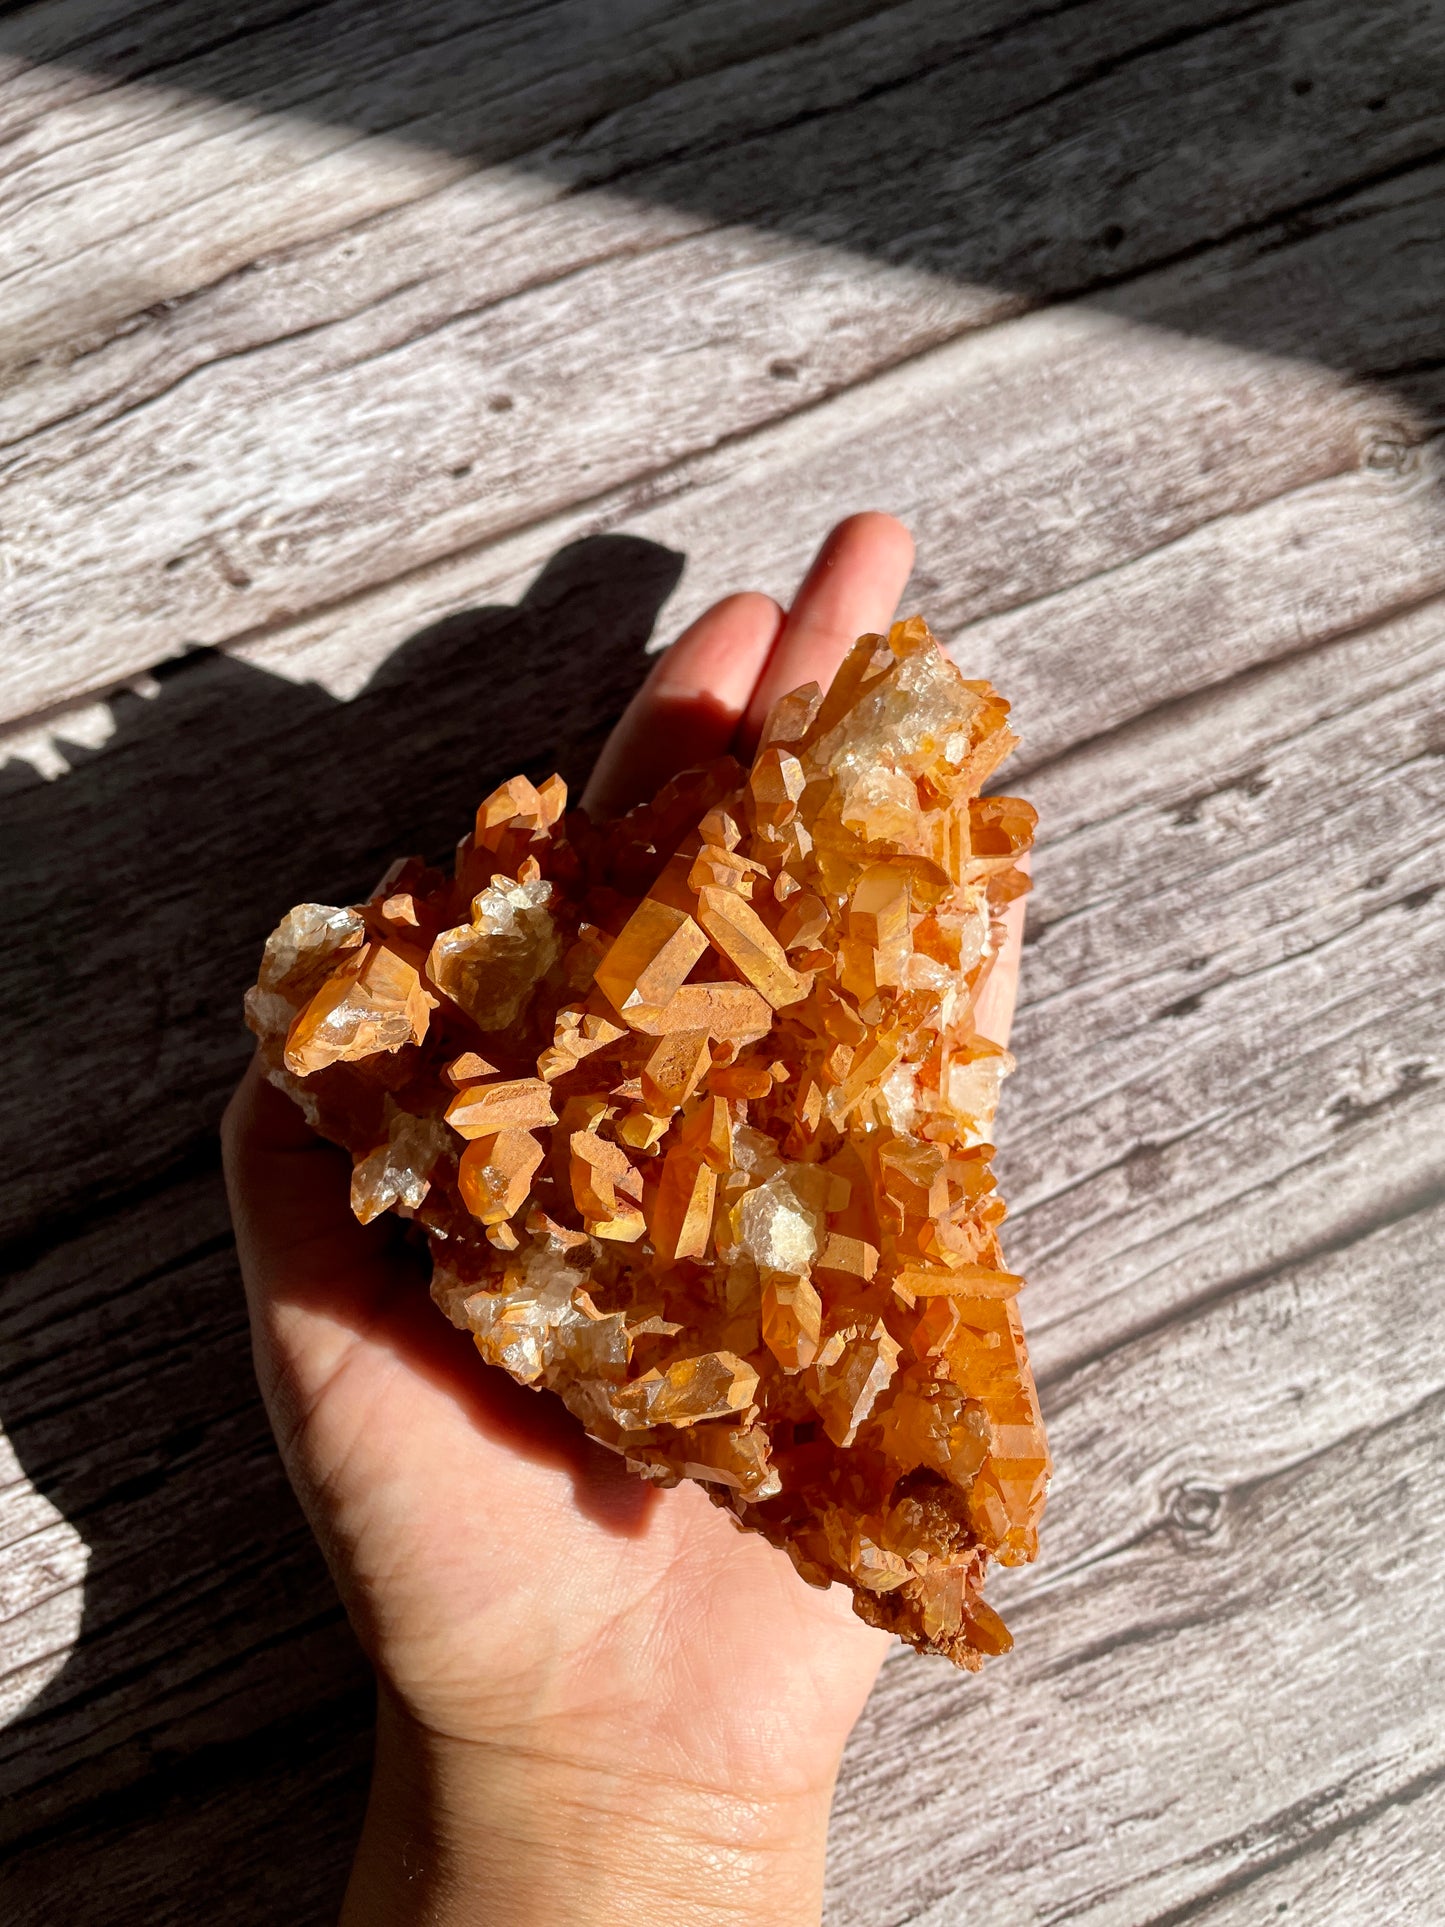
(341, 602)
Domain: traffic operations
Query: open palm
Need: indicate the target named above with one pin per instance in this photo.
(513, 1584)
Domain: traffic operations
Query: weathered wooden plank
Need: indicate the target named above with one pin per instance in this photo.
(1306, 1672)
(1163, 1229)
(231, 1833)
(244, 503)
(1253, 1384)
(41, 1594)
(1260, 1377)
(244, 805)
(1028, 460)
(266, 483)
(1238, 592)
(1355, 1869)
(208, 1617)
(1339, 796)
(231, 791)
(1041, 163)
(1182, 761)
(1156, 760)
(1178, 773)
(244, 141)
(1222, 986)
(719, 109)
(1304, 557)
(1182, 547)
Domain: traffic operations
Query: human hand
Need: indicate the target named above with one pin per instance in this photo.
(597, 1701)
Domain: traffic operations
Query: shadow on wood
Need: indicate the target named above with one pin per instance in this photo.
(1055, 153)
(214, 1713)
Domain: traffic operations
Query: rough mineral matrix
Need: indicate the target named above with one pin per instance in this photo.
(693, 1112)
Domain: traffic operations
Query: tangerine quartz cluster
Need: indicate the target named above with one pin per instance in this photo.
(694, 1112)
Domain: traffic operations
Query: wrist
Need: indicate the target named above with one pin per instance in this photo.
(469, 1834)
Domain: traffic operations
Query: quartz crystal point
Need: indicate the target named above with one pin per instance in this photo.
(694, 1113)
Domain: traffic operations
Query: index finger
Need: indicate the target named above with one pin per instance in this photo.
(851, 589)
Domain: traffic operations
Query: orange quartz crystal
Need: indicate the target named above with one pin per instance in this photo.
(694, 1113)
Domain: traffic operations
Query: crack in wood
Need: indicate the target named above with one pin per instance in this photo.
(1063, 1384)
(1231, 1343)
(1298, 1820)
(1181, 704)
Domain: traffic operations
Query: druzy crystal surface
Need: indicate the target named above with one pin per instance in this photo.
(694, 1112)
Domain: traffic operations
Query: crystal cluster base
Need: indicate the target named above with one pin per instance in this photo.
(694, 1113)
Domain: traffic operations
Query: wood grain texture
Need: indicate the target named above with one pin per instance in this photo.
(422, 369)
(241, 475)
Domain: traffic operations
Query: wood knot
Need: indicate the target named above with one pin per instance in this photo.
(1194, 1512)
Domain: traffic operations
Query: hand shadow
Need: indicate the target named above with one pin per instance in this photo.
(214, 1697)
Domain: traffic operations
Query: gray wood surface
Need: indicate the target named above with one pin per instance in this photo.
(373, 384)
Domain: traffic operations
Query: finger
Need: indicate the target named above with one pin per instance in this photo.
(852, 588)
(289, 1191)
(687, 711)
(322, 1288)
